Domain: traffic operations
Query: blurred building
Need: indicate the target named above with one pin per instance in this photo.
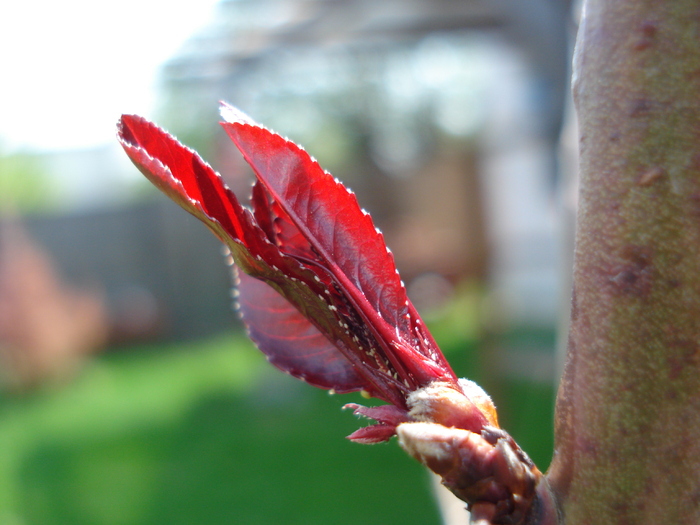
(161, 272)
(443, 116)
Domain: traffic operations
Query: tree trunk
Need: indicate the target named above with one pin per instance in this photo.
(628, 411)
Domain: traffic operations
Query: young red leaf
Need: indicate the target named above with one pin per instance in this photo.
(322, 297)
(346, 242)
(290, 341)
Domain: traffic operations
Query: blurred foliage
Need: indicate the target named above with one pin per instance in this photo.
(24, 183)
(527, 413)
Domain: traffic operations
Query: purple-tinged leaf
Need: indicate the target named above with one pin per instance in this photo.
(346, 243)
(290, 341)
(329, 306)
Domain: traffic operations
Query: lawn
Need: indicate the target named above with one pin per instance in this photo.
(207, 432)
(198, 433)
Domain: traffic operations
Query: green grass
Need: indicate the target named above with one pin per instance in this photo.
(198, 433)
(207, 432)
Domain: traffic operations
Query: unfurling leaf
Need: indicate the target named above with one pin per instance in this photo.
(320, 295)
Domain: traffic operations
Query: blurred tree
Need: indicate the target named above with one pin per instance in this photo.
(46, 326)
(24, 184)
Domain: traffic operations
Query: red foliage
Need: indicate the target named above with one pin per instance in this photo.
(319, 291)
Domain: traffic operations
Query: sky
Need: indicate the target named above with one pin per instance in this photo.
(68, 69)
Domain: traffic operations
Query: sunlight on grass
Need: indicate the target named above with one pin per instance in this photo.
(157, 384)
(204, 432)
(116, 392)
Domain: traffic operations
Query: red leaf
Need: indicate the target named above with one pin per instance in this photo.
(182, 175)
(327, 215)
(373, 434)
(388, 417)
(193, 184)
(290, 341)
(337, 314)
(345, 241)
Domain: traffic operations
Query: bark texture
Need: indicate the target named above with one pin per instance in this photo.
(628, 411)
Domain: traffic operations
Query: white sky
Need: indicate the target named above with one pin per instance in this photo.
(69, 68)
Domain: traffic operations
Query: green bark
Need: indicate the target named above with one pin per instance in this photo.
(628, 411)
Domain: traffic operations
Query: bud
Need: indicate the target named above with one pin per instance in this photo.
(487, 470)
(469, 409)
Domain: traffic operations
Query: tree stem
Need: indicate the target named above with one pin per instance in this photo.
(628, 410)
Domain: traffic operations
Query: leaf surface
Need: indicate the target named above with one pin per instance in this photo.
(290, 341)
(193, 184)
(343, 239)
(332, 309)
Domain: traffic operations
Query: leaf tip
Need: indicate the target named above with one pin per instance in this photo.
(233, 115)
(123, 129)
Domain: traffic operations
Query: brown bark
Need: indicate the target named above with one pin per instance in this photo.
(628, 411)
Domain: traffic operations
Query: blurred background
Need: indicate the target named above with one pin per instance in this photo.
(128, 391)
